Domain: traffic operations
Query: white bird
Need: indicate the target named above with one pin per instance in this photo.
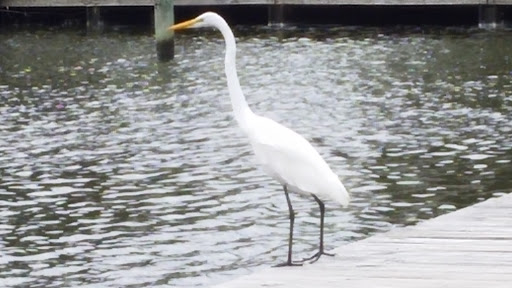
(285, 155)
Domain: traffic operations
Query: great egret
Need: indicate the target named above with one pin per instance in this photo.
(284, 154)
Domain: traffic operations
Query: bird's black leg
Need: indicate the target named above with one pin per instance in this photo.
(320, 252)
(290, 238)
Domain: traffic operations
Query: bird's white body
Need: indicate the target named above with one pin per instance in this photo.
(284, 155)
(290, 159)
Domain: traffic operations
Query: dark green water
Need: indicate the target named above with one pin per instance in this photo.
(120, 172)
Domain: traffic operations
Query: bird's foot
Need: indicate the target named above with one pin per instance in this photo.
(288, 263)
(317, 255)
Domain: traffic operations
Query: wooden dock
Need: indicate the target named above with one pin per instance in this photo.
(485, 13)
(470, 248)
(61, 3)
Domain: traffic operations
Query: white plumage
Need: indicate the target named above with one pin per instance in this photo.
(293, 161)
(284, 155)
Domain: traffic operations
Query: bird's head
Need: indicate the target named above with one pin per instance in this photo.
(208, 19)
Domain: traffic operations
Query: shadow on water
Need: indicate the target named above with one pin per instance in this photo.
(119, 171)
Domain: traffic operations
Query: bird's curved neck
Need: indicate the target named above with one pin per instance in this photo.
(240, 107)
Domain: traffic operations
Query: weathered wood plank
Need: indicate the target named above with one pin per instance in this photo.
(383, 2)
(64, 3)
(468, 248)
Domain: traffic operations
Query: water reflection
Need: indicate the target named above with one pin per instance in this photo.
(118, 171)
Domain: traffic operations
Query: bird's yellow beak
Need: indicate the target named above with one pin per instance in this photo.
(183, 25)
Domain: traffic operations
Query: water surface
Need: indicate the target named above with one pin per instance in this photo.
(119, 171)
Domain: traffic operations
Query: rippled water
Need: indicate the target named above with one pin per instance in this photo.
(118, 171)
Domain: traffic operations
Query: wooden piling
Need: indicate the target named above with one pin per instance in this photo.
(94, 24)
(490, 17)
(276, 15)
(164, 17)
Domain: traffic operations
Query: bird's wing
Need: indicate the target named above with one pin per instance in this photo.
(289, 157)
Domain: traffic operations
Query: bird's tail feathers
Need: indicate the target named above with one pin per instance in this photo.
(340, 193)
(343, 197)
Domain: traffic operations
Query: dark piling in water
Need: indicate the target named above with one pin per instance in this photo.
(490, 17)
(94, 23)
(164, 17)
